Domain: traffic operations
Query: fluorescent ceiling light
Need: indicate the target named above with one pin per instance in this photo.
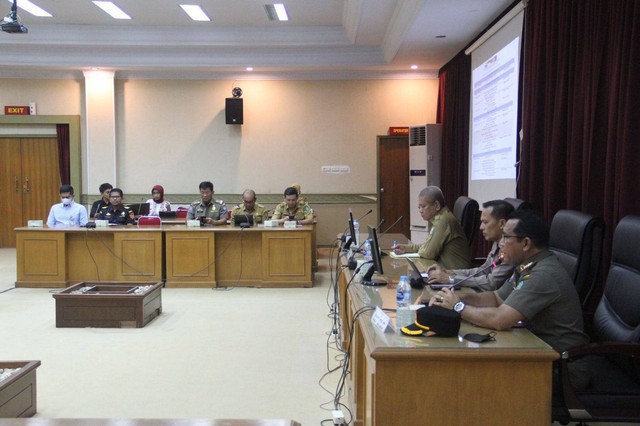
(33, 9)
(281, 11)
(112, 9)
(195, 12)
(276, 11)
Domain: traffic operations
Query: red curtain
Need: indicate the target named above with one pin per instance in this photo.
(581, 108)
(62, 131)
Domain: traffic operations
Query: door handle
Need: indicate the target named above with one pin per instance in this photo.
(25, 188)
(381, 190)
(17, 183)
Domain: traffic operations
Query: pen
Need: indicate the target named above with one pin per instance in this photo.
(395, 245)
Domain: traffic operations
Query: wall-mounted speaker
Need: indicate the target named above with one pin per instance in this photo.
(233, 111)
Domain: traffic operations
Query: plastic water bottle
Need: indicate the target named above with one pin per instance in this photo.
(403, 300)
(366, 251)
(356, 228)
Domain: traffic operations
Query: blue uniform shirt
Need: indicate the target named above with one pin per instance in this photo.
(71, 215)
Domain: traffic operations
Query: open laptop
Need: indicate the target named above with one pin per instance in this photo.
(167, 215)
(139, 209)
(417, 279)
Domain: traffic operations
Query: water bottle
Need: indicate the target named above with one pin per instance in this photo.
(366, 251)
(356, 228)
(403, 300)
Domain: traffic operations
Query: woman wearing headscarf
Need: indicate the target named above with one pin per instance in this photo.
(157, 203)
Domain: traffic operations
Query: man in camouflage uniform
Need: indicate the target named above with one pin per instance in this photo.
(117, 212)
(208, 210)
(250, 207)
(289, 209)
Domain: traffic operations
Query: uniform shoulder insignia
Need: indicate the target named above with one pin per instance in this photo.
(527, 266)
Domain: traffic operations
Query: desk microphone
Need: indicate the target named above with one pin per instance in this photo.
(392, 225)
(380, 224)
(493, 264)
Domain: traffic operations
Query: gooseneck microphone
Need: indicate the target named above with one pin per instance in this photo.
(392, 225)
(493, 264)
(380, 224)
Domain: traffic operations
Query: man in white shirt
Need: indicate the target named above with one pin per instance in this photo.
(67, 213)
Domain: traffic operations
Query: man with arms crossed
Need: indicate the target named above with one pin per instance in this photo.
(493, 218)
(67, 213)
(539, 293)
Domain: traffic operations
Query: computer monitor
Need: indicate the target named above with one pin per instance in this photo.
(352, 233)
(139, 209)
(243, 220)
(377, 261)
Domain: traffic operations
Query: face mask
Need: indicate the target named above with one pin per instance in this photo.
(66, 201)
(480, 338)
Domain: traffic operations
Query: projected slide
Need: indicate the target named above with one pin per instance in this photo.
(494, 120)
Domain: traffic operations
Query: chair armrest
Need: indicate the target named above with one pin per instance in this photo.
(602, 348)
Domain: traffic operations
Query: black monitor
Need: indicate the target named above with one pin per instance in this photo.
(377, 261)
(139, 209)
(352, 233)
(243, 220)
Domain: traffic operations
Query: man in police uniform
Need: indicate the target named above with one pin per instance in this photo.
(117, 212)
(540, 293)
(208, 210)
(486, 277)
(446, 242)
(289, 209)
(250, 207)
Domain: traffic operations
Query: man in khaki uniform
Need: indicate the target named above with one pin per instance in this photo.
(446, 243)
(290, 210)
(250, 207)
(208, 210)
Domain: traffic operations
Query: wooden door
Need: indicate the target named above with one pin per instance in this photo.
(31, 186)
(393, 182)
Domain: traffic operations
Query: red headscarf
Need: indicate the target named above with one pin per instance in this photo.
(160, 189)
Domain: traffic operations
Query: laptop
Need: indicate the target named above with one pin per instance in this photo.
(416, 279)
(167, 215)
(139, 209)
(243, 220)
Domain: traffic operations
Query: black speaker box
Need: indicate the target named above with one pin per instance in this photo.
(233, 111)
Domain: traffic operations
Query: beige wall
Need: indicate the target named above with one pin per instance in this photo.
(172, 132)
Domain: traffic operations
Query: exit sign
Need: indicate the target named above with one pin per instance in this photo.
(16, 110)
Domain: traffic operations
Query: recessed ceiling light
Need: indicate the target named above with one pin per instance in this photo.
(249, 68)
(195, 12)
(33, 9)
(112, 9)
(414, 67)
(276, 11)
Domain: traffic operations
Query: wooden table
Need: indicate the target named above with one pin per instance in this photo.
(180, 255)
(18, 396)
(397, 379)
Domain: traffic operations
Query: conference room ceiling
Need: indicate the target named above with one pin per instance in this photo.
(323, 39)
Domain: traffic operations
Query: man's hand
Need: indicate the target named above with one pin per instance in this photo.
(400, 249)
(437, 274)
(445, 298)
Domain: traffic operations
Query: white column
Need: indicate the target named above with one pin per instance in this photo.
(100, 125)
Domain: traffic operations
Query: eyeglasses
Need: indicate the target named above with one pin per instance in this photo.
(114, 196)
(424, 206)
(506, 237)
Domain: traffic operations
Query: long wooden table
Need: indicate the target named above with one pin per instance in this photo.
(180, 255)
(397, 379)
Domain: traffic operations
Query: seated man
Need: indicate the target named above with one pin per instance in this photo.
(289, 209)
(67, 213)
(446, 242)
(117, 213)
(539, 293)
(250, 207)
(494, 215)
(208, 210)
(105, 190)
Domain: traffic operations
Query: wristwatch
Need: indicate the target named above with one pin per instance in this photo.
(459, 307)
(452, 279)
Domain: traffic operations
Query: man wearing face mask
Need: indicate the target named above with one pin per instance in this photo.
(67, 213)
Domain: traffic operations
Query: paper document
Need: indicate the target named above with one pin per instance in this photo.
(402, 256)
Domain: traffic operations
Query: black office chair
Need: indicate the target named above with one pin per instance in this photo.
(576, 239)
(465, 210)
(519, 204)
(613, 394)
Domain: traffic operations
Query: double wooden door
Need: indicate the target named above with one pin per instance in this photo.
(29, 182)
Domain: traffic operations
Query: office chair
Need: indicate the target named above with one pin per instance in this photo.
(519, 204)
(465, 210)
(576, 239)
(613, 393)
(149, 221)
